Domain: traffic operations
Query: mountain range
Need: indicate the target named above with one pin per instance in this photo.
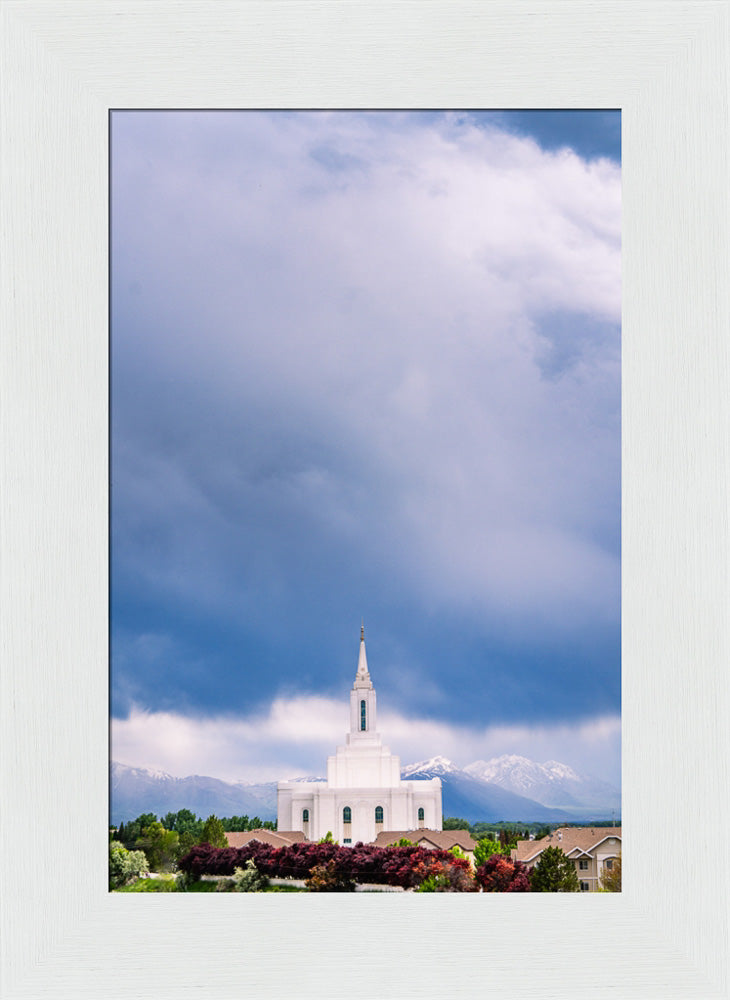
(508, 788)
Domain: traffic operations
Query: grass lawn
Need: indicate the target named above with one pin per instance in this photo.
(201, 887)
(168, 885)
(149, 885)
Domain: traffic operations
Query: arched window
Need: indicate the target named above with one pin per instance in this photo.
(362, 715)
(378, 814)
(305, 816)
(347, 815)
(421, 814)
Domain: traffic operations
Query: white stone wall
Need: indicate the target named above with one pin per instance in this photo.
(326, 804)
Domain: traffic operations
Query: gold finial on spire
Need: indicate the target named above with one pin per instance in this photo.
(362, 631)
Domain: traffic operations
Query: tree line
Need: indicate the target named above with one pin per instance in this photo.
(164, 841)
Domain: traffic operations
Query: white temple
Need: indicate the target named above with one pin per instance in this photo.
(364, 794)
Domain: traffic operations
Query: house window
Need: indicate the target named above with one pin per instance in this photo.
(347, 815)
(305, 816)
(609, 864)
(378, 814)
(421, 814)
(583, 864)
(584, 887)
(362, 715)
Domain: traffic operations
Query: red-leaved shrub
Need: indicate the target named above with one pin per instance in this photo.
(364, 863)
(500, 874)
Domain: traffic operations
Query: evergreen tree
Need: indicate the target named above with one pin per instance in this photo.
(213, 833)
(554, 873)
(186, 843)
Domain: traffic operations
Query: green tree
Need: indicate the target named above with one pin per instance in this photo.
(125, 865)
(453, 823)
(133, 829)
(160, 845)
(235, 824)
(183, 821)
(611, 878)
(508, 837)
(185, 844)
(485, 848)
(213, 833)
(554, 873)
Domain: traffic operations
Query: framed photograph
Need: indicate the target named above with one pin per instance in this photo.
(366, 360)
(467, 71)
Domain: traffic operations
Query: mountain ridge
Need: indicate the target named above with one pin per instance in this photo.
(509, 788)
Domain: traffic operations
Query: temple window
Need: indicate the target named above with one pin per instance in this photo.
(347, 815)
(378, 814)
(362, 715)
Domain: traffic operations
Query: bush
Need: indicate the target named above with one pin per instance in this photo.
(249, 879)
(500, 874)
(434, 883)
(124, 865)
(611, 878)
(329, 878)
(182, 881)
(365, 863)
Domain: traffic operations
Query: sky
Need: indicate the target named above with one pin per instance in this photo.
(365, 365)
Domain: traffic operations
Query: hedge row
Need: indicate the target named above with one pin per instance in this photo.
(399, 866)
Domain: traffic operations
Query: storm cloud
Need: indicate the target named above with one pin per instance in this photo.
(364, 364)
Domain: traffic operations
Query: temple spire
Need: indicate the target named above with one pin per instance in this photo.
(362, 677)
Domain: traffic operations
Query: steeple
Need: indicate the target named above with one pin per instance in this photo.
(362, 677)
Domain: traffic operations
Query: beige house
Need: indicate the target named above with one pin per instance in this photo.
(277, 838)
(442, 840)
(592, 849)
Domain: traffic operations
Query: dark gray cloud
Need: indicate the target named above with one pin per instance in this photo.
(364, 364)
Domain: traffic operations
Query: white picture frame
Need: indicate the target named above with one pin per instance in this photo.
(665, 64)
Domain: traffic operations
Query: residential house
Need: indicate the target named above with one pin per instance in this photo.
(277, 838)
(592, 849)
(442, 840)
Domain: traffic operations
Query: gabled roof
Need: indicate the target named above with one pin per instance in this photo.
(568, 838)
(277, 838)
(442, 839)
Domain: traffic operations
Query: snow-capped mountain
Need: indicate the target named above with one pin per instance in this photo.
(550, 783)
(470, 798)
(136, 790)
(508, 788)
(435, 768)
